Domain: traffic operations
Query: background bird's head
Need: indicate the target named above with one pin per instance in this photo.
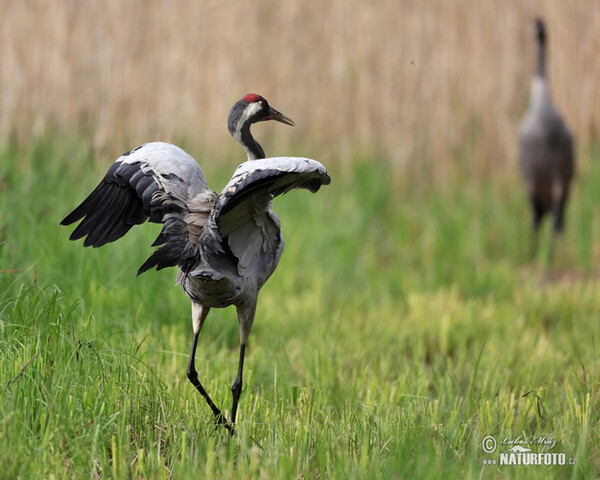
(251, 109)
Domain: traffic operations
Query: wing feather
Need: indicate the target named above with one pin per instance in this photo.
(242, 220)
(158, 182)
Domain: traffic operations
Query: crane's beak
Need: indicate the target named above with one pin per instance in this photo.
(279, 117)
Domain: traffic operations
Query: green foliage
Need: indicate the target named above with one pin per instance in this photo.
(404, 324)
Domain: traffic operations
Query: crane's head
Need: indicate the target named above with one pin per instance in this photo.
(540, 30)
(251, 109)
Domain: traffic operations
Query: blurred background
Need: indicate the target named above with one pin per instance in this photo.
(434, 87)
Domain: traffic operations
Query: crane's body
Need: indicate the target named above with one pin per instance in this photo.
(226, 246)
(546, 147)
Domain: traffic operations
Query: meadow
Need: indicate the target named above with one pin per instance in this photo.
(405, 323)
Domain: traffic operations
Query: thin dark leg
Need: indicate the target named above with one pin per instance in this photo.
(558, 212)
(236, 388)
(192, 375)
(538, 214)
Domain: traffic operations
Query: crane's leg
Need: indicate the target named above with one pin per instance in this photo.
(236, 388)
(199, 314)
(560, 192)
(245, 321)
(558, 216)
(558, 211)
(538, 215)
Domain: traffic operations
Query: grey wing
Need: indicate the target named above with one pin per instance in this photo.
(242, 221)
(158, 182)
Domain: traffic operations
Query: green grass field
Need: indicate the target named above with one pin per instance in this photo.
(405, 323)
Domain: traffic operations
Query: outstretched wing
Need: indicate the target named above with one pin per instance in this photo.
(156, 181)
(242, 221)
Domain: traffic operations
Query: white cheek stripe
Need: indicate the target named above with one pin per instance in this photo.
(251, 110)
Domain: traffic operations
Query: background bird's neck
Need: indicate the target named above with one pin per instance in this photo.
(540, 99)
(252, 147)
(541, 63)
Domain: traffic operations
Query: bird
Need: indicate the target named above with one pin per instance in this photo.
(546, 148)
(225, 246)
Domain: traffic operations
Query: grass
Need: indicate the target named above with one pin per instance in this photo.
(405, 323)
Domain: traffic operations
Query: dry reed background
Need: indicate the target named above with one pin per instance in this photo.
(418, 82)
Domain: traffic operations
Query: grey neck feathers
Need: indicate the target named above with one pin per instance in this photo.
(541, 64)
(252, 147)
(541, 99)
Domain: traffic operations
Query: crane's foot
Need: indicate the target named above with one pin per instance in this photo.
(221, 420)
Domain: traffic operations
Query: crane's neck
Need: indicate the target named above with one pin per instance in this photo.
(252, 147)
(541, 99)
(246, 140)
(541, 61)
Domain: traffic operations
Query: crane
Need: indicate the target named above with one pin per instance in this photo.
(546, 147)
(226, 246)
